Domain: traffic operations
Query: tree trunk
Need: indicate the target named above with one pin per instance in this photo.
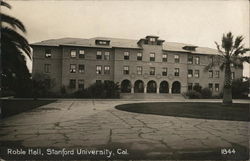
(227, 92)
(227, 96)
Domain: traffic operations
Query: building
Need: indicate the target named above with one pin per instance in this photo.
(148, 65)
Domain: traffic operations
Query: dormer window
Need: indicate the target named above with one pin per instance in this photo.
(152, 39)
(190, 48)
(102, 42)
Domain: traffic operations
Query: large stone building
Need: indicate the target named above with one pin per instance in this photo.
(148, 65)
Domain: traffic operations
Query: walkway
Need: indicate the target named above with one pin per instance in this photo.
(96, 124)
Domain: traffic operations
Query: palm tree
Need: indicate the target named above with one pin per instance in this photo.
(231, 53)
(14, 48)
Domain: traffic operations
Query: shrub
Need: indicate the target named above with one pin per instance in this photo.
(193, 94)
(197, 88)
(63, 90)
(108, 89)
(42, 85)
(7, 93)
(80, 94)
(112, 89)
(218, 96)
(206, 93)
(240, 88)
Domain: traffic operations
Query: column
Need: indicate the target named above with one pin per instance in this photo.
(170, 90)
(157, 90)
(145, 89)
(132, 89)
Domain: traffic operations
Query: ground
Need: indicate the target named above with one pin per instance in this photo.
(97, 124)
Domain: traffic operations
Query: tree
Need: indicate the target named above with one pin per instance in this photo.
(231, 52)
(240, 87)
(15, 74)
(42, 84)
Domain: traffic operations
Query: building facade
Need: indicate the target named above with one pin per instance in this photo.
(148, 65)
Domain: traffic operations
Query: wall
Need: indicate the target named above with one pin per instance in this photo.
(90, 62)
(61, 60)
(56, 63)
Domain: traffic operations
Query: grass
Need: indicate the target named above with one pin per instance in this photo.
(12, 107)
(215, 111)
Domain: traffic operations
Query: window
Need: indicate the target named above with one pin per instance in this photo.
(126, 70)
(210, 86)
(190, 73)
(98, 81)
(152, 71)
(217, 87)
(197, 60)
(103, 42)
(47, 83)
(47, 53)
(196, 73)
(139, 70)
(98, 69)
(164, 57)
(72, 83)
(176, 72)
(152, 56)
(152, 39)
(98, 55)
(211, 59)
(72, 53)
(210, 74)
(106, 55)
(164, 71)
(81, 54)
(106, 69)
(81, 68)
(190, 59)
(139, 56)
(176, 58)
(196, 84)
(106, 81)
(232, 75)
(217, 74)
(190, 86)
(231, 65)
(72, 68)
(80, 84)
(126, 55)
(47, 68)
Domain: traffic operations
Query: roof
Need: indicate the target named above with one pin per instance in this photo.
(178, 47)
(121, 43)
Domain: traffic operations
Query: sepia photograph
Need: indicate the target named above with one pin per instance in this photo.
(124, 80)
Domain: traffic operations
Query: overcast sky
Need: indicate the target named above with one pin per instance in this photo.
(188, 21)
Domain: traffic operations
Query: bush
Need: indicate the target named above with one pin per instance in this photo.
(193, 94)
(219, 96)
(80, 94)
(240, 88)
(197, 88)
(206, 93)
(63, 90)
(7, 93)
(108, 89)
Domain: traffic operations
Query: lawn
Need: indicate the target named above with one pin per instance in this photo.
(12, 107)
(215, 111)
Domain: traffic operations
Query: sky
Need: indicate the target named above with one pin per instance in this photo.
(186, 21)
